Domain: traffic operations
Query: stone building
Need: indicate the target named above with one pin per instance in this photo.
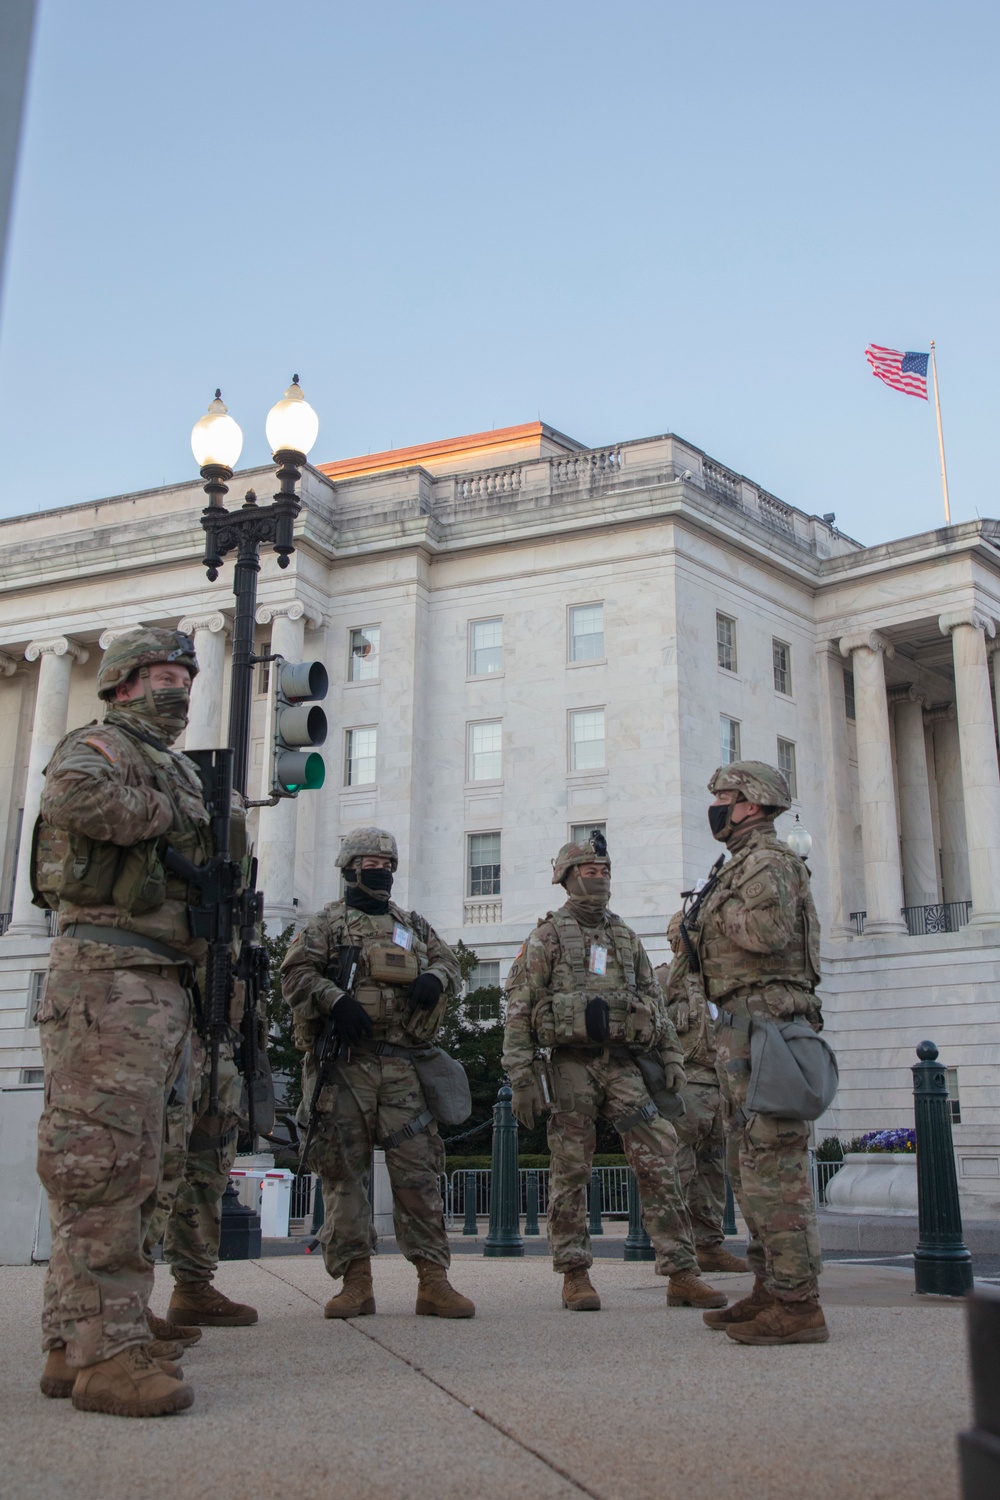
(525, 638)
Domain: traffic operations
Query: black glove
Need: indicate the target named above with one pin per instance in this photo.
(425, 991)
(351, 1021)
(598, 1018)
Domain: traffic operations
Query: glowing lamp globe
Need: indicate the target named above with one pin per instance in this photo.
(799, 839)
(216, 439)
(292, 425)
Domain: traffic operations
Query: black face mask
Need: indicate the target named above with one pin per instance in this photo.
(718, 821)
(368, 890)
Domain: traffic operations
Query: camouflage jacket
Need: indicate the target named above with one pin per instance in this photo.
(105, 786)
(697, 1037)
(543, 971)
(308, 987)
(756, 928)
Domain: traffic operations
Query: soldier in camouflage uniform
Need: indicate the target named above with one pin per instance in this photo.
(406, 976)
(583, 987)
(116, 1017)
(756, 936)
(699, 1129)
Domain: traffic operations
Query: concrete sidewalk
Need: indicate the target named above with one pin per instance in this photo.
(525, 1401)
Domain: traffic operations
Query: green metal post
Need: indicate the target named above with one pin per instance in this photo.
(504, 1236)
(595, 1226)
(470, 1226)
(319, 1211)
(638, 1245)
(531, 1202)
(941, 1263)
(729, 1217)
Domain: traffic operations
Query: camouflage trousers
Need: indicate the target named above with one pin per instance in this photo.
(198, 1157)
(113, 1044)
(369, 1098)
(767, 1159)
(592, 1083)
(700, 1159)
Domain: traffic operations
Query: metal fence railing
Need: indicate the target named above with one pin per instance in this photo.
(820, 1173)
(454, 1189)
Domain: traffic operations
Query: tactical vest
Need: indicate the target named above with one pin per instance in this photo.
(726, 967)
(559, 1018)
(386, 970)
(72, 868)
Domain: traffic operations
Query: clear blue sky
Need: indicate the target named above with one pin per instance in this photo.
(624, 218)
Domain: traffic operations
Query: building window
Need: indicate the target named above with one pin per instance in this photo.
(485, 647)
(264, 670)
(849, 694)
(365, 643)
(586, 738)
(34, 1076)
(586, 632)
(484, 864)
(786, 764)
(359, 757)
(951, 1078)
(36, 990)
(484, 976)
(729, 740)
(579, 833)
(484, 751)
(781, 656)
(725, 639)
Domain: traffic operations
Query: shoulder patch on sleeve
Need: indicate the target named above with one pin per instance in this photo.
(755, 888)
(98, 742)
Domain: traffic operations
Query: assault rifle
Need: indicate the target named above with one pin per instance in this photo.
(219, 906)
(695, 898)
(328, 1049)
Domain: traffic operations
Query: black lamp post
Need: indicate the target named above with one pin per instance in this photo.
(216, 441)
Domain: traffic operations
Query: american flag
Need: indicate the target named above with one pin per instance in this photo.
(906, 372)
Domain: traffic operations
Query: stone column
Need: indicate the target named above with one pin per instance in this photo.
(955, 884)
(980, 772)
(204, 731)
(920, 882)
(879, 831)
(839, 825)
(55, 657)
(276, 836)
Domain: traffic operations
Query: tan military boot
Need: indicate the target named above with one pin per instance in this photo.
(59, 1376)
(743, 1311)
(201, 1303)
(436, 1297)
(718, 1258)
(130, 1384)
(784, 1323)
(356, 1298)
(578, 1292)
(686, 1289)
(172, 1333)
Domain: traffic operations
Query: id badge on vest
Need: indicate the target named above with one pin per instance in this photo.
(402, 936)
(598, 961)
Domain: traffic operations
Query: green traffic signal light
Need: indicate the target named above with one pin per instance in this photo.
(299, 724)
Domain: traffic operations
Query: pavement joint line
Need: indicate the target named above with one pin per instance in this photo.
(355, 1326)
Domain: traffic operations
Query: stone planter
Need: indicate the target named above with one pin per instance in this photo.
(875, 1182)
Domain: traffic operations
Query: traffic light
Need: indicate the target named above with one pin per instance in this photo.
(299, 725)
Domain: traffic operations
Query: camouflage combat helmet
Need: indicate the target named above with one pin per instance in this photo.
(755, 780)
(594, 851)
(143, 647)
(674, 930)
(367, 841)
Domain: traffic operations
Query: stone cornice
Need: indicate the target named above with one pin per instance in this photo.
(870, 640)
(56, 645)
(970, 616)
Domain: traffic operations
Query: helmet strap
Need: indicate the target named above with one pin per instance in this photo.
(147, 688)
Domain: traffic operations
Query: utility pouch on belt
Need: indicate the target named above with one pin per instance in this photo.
(389, 964)
(445, 1086)
(543, 1084)
(654, 1076)
(793, 1070)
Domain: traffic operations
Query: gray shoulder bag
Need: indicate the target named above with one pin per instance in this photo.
(445, 1086)
(793, 1070)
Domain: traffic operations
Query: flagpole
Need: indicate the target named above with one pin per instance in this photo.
(937, 408)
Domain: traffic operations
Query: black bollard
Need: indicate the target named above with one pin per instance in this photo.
(504, 1236)
(941, 1264)
(638, 1245)
(470, 1226)
(240, 1235)
(319, 1209)
(531, 1202)
(729, 1217)
(594, 1225)
(979, 1448)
